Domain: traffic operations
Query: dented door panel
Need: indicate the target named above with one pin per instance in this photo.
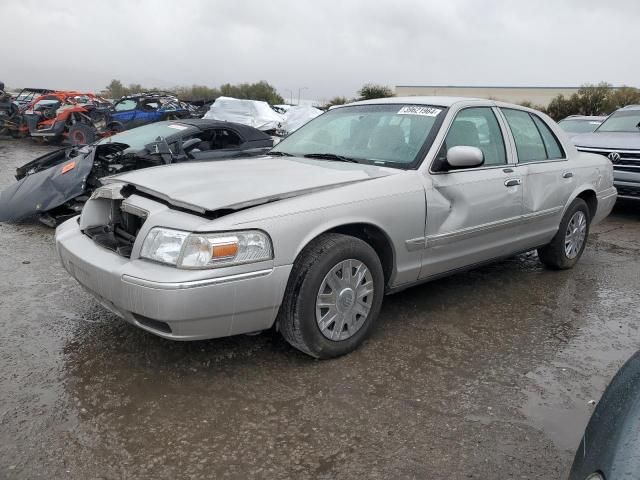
(546, 190)
(472, 216)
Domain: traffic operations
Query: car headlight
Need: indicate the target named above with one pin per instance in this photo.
(206, 250)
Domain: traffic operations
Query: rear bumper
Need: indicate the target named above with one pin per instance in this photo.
(166, 301)
(606, 201)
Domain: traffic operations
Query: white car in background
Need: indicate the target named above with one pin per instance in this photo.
(254, 113)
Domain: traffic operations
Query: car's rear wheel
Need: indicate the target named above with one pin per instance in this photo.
(333, 296)
(567, 246)
(81, 134)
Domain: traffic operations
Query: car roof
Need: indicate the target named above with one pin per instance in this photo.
(630, 107)
(150, 95)
(36, 90)
(418, 100)
(247, 132)
(439, 101)
(585, 117)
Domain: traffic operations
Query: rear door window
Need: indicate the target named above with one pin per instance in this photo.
(529, 143)
(554, 150)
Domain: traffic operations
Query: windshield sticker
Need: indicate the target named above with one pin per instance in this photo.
(178, 127)
(419, 110)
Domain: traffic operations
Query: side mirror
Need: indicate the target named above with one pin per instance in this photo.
(465, 157)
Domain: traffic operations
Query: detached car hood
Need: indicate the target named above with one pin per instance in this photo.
(39, 191)
(608, 140)
(210, 186)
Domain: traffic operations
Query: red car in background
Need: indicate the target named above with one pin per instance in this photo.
(78, 117)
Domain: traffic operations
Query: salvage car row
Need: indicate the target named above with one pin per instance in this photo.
(80, 118)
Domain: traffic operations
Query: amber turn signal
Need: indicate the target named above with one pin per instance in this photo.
(224, 251)
(68, 167)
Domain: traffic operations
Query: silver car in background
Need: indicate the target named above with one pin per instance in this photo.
(618, 139)
(577, 124)
(367, 199)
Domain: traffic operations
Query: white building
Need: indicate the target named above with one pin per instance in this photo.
(536, 95)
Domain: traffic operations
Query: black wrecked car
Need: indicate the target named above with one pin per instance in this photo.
(55, 186)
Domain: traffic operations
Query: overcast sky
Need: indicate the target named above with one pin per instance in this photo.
(331, 47)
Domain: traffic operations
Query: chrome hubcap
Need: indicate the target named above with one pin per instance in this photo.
(575, 235)
(344, 300)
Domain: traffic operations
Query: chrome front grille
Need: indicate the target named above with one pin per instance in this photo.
(621, 159)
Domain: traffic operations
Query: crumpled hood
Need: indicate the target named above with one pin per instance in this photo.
(608, 140)
(236, 184)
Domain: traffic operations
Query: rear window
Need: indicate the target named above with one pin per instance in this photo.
(579, 126)
(534, 140)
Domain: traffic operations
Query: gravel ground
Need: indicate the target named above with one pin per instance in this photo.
(485, 374)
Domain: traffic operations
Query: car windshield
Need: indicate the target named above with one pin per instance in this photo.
(622, 121)
(579, 126)
(390, 134)
(137, 138)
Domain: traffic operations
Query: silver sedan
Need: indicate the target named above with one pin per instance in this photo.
(365, 200)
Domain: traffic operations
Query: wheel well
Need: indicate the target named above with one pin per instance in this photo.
(375, 237)
(589, 196)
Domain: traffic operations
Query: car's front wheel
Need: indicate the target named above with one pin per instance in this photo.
(333, 296)
(567, 246)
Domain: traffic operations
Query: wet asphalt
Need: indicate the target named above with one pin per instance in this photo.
(486, 374)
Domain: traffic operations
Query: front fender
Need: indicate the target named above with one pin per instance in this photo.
(400, 218)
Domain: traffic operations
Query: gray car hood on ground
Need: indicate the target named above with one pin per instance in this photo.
(210, 186)
(609, 140)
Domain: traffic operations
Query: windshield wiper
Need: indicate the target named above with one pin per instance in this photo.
(331, 156)
(280, 154)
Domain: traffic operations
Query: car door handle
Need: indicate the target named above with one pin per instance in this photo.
(567, 175)
(512, 182)
(507, 170)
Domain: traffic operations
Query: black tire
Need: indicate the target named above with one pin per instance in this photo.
(297, 317)
(81, 134)
(554, 255)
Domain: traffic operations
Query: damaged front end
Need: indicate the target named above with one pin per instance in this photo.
(110, 221)
(55, 186)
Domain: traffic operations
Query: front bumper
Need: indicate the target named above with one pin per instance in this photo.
(172, 303)
(627, 183)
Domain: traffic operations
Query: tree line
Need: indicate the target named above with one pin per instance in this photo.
(600, 99)
(251, 91)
